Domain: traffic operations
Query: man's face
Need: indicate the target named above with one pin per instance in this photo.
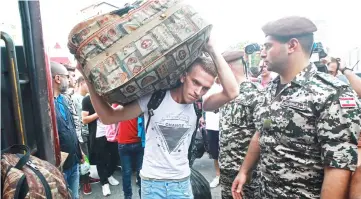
(264, 72)
(196, 83)
(63, 82)
(72, 79)
(275, 55)
(84, 87)
(332, 68)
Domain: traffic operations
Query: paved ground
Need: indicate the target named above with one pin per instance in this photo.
(204, 165)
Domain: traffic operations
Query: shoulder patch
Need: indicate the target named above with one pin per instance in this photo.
(333, 81)
(253, 85)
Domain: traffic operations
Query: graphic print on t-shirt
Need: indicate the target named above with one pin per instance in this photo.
(172, 130)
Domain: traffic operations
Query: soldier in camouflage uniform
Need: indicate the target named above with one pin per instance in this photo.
(237, 127)
(309, 122)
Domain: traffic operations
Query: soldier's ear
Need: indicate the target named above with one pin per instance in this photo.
(293, 44)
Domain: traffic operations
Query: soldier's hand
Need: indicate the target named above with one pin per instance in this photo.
(237, 186)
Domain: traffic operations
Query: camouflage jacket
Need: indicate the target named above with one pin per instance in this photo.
(237, 125)
(75, 115)
(305, 128)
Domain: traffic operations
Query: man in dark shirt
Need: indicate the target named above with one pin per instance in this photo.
(66, 128)
(89, 116)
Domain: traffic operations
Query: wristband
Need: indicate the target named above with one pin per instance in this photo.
(344, 69)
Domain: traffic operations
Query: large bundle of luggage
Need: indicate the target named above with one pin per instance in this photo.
(129, 53)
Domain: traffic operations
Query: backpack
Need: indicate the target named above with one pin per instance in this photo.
(26, 176)
(193, 151)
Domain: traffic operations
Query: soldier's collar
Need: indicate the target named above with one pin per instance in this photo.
(302, 77)
(305, 74)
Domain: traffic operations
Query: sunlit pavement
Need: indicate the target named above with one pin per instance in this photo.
(204, 165)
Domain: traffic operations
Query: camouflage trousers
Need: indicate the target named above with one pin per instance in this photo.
(226, 180)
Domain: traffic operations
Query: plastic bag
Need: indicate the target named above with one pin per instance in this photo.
(199, 146)
(94, 172)
(84, 168)
(200, 186)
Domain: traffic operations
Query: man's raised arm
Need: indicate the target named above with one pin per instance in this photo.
(355, 81)
(106, 113)
(227, 79)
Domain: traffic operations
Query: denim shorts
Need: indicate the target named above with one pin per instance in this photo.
(158, 189)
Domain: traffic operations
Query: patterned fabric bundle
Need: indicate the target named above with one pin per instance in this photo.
(26, 176)
(127, 54)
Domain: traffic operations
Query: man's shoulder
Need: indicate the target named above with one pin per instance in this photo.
(65, 96)
(77, 97)
(322, 80)
(250, 92)
(66, 99)
(86, 98)
(325, 86)
(251, 87)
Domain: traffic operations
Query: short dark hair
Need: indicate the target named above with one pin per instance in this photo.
(80, 79)
(306, 41)
(335, 60)
(69, 68)
(207, 65)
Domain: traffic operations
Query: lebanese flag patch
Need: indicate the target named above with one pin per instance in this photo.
(347, 102)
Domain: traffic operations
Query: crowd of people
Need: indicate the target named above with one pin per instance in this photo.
(83, 136)
(292, 136)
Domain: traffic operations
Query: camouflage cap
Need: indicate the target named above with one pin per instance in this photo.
(289, 26)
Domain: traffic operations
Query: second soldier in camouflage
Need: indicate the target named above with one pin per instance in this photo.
(237, 127)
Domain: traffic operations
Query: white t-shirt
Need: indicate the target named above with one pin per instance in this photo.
(168, 139)
(101, 129)
(212, 119)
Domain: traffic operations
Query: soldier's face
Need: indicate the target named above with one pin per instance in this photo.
(274, 55)
(196, 83)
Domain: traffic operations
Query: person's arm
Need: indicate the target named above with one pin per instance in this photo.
(87, 107)
(338, 129)
(106, 113)
(249, 162)
(335, 189)
(355, 81)
(86, 118)
(227, 79)
(355, 190)
(359, 153)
